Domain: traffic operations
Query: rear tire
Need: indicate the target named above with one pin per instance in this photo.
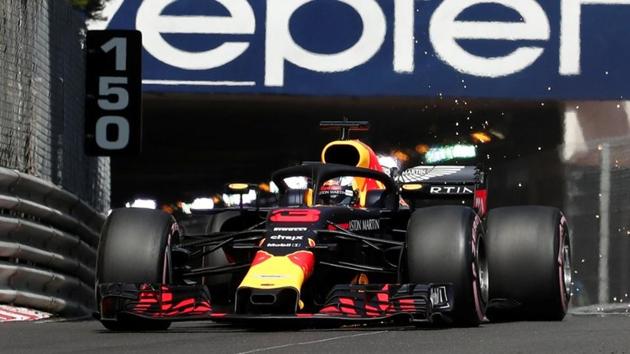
(529, 264)
(135, 248)
(445, 245)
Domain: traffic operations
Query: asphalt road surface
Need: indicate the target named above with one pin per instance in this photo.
(576, 334)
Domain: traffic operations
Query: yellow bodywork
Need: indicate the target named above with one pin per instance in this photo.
(275, 272)
(362, 150)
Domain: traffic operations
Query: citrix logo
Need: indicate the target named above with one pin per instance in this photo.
(444, 32)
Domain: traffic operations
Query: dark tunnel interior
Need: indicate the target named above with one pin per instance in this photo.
(194, 144)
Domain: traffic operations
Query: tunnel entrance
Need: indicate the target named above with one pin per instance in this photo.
(195, 144)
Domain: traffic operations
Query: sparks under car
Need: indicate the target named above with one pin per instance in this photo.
(352, 244)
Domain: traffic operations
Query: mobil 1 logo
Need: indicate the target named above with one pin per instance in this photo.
(113, 104)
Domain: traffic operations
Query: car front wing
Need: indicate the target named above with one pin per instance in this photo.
(346, 304)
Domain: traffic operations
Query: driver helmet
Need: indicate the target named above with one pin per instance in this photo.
(337, 191)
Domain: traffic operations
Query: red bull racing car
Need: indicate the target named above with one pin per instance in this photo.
(351, 244)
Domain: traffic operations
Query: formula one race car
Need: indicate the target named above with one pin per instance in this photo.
(349, 244)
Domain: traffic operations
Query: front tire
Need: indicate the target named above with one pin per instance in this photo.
(445, 244)
(529, 263)
(135, 248)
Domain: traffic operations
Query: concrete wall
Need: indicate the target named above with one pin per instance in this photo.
(596, 156)
(42, 75)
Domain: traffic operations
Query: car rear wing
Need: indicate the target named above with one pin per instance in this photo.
(440, 175)
(439, 185)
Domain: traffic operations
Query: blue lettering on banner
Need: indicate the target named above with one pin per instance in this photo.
(565, 49)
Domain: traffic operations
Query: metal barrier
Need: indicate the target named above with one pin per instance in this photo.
(48, 241)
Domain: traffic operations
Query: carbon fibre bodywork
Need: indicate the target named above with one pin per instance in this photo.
(373, 303)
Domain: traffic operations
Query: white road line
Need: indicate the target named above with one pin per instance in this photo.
(309, 342)
(198, 83)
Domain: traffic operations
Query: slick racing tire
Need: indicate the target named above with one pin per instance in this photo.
(529, 264)
(445, 244)
(135, 248)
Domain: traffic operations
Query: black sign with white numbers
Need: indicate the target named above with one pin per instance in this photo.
(113, 104)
